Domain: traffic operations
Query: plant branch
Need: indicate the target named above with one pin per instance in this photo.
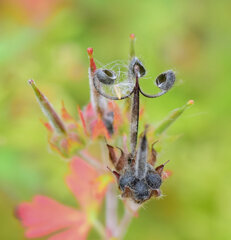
(111, 210)
(99, 228)
(124, 223)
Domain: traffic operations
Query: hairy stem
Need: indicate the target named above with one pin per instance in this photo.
(141, 158)
(124, 223)
(84, 154)
(99, 104)
(99, 228)
(111, 210)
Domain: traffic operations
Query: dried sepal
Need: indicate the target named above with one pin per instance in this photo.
(152, 160)
(156, 193)
(116, 174)
(121, 161)
(127, 193)
(118, 163)
(112, 155)
(160, 168)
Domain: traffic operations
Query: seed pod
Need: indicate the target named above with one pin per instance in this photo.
(153, 180)
(165, 80)
(136, 63)
(105, 76)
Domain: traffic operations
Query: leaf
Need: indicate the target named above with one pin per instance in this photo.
(65, 115)
(99, 129)
(44, 216)
(82, 120)
(88, 186)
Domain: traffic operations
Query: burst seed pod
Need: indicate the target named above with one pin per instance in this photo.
(165, 80)
(105, 76)
(136, 66)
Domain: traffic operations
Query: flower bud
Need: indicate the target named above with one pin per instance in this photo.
(105, 76)
(165, 80)
(92, 62)
(48, 110)
(174, 115)
(132, 45)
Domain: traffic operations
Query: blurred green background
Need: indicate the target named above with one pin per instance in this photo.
(47, 41)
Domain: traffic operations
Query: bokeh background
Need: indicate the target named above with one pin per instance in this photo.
(47, 41)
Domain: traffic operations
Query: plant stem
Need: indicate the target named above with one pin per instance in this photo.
(131, 209)
(123, 226)
(99, 228)
(111, 210)
(135, 116)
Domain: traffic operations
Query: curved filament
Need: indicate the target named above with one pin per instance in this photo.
(153, 96)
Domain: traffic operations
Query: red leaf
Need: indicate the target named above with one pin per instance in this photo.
(44, 216)
(82, 120)
(77, 232)
(65, 115)
(117, 115)
(47, 126)
(99, 129)
(89, 111)
(86, 183)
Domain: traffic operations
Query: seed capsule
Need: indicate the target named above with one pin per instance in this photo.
(153, 180)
